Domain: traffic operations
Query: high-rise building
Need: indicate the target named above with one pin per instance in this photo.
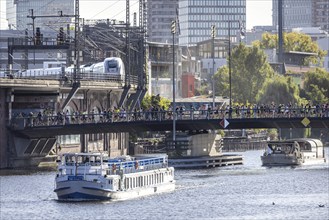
(18, 10)
(320, 14)
(160, 14)
(302, 13)
(196, 18)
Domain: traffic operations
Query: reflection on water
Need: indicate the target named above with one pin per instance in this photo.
(249, 191)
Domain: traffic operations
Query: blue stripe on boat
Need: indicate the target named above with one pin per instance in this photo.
(82, 196)
(60, 189)
(98, 189)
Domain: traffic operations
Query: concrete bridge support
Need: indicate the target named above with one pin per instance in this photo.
(3, 129)
(18, 151)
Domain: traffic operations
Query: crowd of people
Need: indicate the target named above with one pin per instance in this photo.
(205, 111)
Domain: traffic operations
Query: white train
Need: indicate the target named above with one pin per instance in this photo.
(111, 65)
(112, 68)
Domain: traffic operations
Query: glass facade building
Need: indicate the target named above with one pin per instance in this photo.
(18, 10)
(197, 16)
(296, 13)
(303, 13)
(159, 17)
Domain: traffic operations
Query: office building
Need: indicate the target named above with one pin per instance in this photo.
(159, 17)
(196, 18)
(320, 14)
(303, 13)
(18, 10)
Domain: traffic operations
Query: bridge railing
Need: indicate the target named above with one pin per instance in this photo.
(58, 74)
(33, 120)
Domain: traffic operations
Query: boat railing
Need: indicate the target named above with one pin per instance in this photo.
(113, 167)
(116, 167)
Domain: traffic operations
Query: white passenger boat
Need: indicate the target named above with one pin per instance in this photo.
(94, 176)
(293, 152)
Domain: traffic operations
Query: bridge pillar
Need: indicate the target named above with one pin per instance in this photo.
(5, 112)
(83, 144)
(105, 142)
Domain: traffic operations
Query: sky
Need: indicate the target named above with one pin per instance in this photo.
(259, 12)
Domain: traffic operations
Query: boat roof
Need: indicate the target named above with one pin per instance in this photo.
(83, 154)
(313, 142)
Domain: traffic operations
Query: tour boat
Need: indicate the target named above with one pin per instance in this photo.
(94, 176)
(293, 152)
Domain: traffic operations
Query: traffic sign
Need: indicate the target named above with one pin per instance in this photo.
(224, 123)
(306, 121)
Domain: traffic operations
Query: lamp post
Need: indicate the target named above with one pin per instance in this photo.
(173, 31)
(33, 29)
(229, 61)
(213, 34)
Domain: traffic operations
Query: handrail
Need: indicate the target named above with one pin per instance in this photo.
(52, 119)
(63, 76)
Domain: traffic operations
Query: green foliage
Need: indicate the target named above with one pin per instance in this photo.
(221, 133)
(279, 90)
(273, 134)
(316, 86)
(157, 101)
(249, 70)
(203, 90)
(294, 41)
(222, 86)
(254, 81)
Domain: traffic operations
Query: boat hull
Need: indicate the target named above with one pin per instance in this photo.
(87, 190)
(281, 160)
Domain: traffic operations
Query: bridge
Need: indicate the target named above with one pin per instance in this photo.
(188, 120)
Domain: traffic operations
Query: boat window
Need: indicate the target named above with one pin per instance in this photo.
(70, 160)
(79, 159)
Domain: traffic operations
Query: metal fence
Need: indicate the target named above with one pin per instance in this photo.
(21, 121)
(57, 74)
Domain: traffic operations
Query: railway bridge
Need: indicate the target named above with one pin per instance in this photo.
(29, 139)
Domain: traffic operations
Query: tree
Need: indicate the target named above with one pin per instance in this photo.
(294, 41)
(249, 69)
(156, 101)
(204, 88)
(280, 90)
(222, 82)
(316, 86)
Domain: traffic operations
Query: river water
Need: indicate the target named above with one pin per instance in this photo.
(247, 191)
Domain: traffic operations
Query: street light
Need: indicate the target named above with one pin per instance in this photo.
(33, 24)
(173, 31)
(229, 61)
(213, 34)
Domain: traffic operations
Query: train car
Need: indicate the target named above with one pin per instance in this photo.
(112, 68)
(54, 72)
(112, 65)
